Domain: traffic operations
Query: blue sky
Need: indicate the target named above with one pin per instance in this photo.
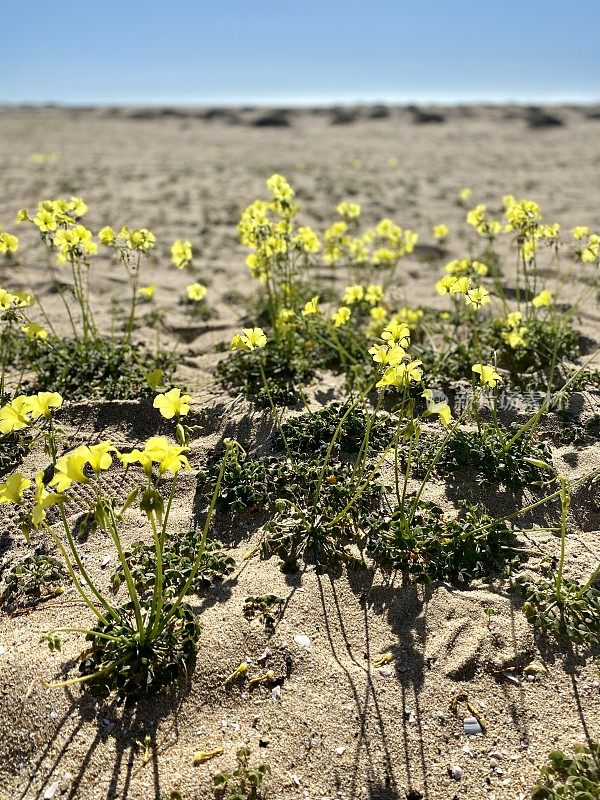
(303, 51)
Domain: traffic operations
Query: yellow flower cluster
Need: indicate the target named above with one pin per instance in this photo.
(249, 339)
(349, 210)
(591, 252)
(139, 239)
(14, 299)
(181, 254)
(74, 243)
(477, 217)
(372, 294)
(195, 292)
(22, 410)
(514, 334)
(390, 356)
(8, 242)
(267, 228)
(466, 266)
(52, 214)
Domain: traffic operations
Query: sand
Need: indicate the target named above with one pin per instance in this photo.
(341, 728)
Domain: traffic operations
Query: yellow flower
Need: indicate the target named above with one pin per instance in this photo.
(140, 239)
(410, 316)
(33, 330)
(43, 499)
(99, 456)
(396, 333)
(22, 299)
(441, 232)
(69, 468)
(45, 220)
(528, 250)
(387, 356)
(311, 307)
(353, 294)
(147, 291)
(307, 240)
(477, 297)
(181, 254)
(523, 216)
(374, 294)
(379, 313)
(442, 409)
(173, 404)
(249, 339)
(169, 457)
(39, 405)
(465, 194)
(515, 338)
(450, 284)
(13, 416)
(579, 231)
(544, 298)
(513, 319)
(487, 374)
(476, 215)
(341, 316)
(280, 188)
(107, 235)
(159, 451)
(8, 242)
(12, 490)
(592, 250)
(401, 375)
(195, 292)
(349, 210)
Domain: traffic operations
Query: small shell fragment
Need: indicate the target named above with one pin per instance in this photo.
(471, 726)
(455, 772)
(302, 641)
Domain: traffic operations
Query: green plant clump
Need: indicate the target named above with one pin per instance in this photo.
(177, 562)
(431, 548)
(13, 448)
(570, 777)
(572, 613)
(309, 434)
(486, 452)
(97, 367)
(34, 578)
(245, 782)
(117, 664)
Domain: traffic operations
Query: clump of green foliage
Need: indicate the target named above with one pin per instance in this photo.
(32, 579)
(430, 547)
(312, 433)
(177, 562)
(490, 454)
(550, 341)
(99, 367)
(118, 662)
(319, 508)
(13, 448)
(573, 614)
(570, 777)
(267, 607)
(245, 782)
(286, 365)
